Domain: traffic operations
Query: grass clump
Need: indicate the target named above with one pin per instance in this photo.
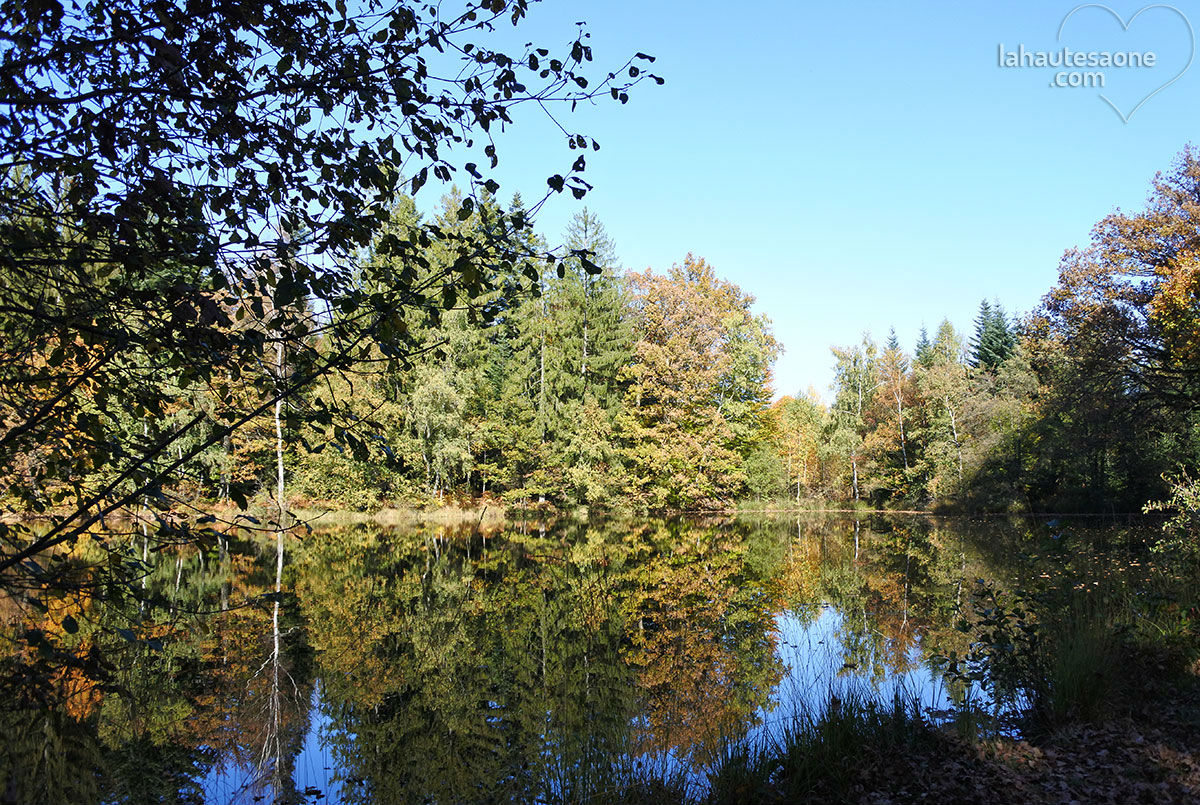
(1082, 642)
(821, 756)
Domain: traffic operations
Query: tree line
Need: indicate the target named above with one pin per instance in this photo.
(575, 382)
(639, 389)
(1088, 403)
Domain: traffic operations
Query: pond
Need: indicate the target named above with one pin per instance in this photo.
(533, 662)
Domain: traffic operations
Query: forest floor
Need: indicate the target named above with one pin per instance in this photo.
(1150, 753)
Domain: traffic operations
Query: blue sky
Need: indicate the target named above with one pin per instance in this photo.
(857, 166)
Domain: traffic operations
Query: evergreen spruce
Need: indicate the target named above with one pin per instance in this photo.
(924, 350)
(993, 342)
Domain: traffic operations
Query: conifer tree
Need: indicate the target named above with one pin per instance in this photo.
(993, 342)
(923, 352)
(592, 312)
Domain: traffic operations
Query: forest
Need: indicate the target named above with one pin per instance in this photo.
(624, 390)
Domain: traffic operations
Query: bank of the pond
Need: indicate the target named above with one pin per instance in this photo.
(1150, 754)
(490, 516)
(1153, 759)
(493, 512)
(303, 513)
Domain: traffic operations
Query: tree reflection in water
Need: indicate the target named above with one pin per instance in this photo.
(450, 664)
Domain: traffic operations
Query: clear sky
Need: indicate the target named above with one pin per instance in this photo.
(858, 166)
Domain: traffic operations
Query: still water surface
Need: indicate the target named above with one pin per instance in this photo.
(527, 663)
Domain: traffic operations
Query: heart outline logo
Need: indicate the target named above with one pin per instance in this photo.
(1125, 26)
